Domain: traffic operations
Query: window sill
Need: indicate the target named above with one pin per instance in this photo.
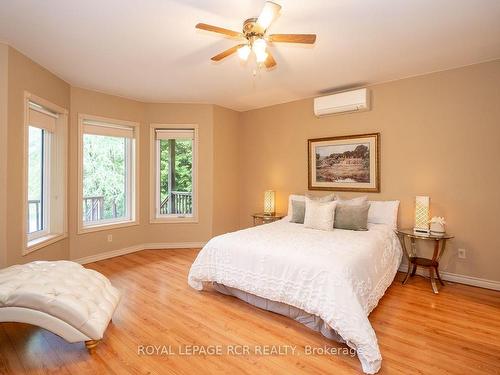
(174, 220)
(105, 226)
(40, 242)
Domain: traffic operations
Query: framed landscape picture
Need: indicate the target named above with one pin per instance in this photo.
(347, 163)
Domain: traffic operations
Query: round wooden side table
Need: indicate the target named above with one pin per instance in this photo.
(415, 261)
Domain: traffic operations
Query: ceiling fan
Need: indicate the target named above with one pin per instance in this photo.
(254, 31)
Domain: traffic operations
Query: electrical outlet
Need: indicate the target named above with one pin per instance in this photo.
(110, 238)
(461, 253)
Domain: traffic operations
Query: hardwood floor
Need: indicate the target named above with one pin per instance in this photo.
(455, 332)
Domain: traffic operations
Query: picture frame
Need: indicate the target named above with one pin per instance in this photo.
(344, 163)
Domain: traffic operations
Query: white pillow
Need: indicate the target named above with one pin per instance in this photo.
(384, 212)
(302, 198)
(319, 215)
(358, 201)
(324, 198)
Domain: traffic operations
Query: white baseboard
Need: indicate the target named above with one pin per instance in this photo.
(174, 245)
(133, 249)
(456, 278)
(109, 254)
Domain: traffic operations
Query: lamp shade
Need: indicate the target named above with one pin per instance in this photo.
(259, 46)
(244, 52)
(268, 14)
(269, 197)
(422, 204)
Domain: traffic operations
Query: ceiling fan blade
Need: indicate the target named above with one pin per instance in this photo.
(270, 61)
(226, 53)
(268, 14)
(293, 38)
(219, 30)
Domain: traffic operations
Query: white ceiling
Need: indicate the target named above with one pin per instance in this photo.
(149, 49)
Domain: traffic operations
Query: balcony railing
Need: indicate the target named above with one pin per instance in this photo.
(93, 208)
(177, 203)
(35, 222)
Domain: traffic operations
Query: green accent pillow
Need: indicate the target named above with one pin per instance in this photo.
(351, 217)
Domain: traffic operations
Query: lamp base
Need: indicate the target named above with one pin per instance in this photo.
(269, 213)
(421, 230)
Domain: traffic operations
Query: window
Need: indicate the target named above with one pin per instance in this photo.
(108, 172)
(38, 175)
(174, 161)
(45, 171)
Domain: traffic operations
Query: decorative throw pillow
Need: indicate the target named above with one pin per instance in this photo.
(384, 212)
(351, 217)
(354, 201)
(299, 201)
(319, 215)
(298, 211)
(291, 198)
(324, 198)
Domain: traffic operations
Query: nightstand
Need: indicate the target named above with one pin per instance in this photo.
(259, 219)
(415, 261)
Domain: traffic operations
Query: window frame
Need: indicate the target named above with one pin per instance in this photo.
(55, 189)
(132, 164)
(155, 217)
(46, 177)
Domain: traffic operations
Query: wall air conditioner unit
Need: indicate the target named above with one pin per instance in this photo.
(342, 102)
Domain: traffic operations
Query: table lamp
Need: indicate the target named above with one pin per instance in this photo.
(269, 197)
(421, 214)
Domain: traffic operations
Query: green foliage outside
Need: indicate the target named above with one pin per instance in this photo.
(104, 172)
(183, 167)
(35, 163)
(35, 159)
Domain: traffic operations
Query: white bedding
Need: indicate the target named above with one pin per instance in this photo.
(338, 275)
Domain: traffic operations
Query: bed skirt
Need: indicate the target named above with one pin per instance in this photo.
(311, 321)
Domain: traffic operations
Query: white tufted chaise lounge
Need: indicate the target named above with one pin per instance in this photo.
(63, 297)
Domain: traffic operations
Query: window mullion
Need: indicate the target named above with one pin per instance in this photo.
(46, 181)
(158, 177)
(130, 158)
(171, 175)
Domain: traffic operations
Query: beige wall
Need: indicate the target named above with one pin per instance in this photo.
(89, 102)
(4, 60)
(440, 137)
(25, 75)
(226, 198)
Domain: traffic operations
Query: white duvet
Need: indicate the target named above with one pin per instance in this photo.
(338, 275)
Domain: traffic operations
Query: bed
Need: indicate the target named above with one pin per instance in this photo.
(328, 280)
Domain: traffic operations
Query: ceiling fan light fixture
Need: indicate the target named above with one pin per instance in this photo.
(268, 14)
(254, 38)
(261, 56)
(259, 46)
(244, 52)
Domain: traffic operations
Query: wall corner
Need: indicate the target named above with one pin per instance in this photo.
(4, 61)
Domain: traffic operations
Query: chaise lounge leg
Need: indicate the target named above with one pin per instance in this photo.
(91, 345)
